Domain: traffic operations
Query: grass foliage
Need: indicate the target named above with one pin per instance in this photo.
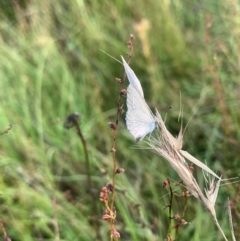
(52, 65)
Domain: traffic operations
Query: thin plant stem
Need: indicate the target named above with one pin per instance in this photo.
(170, 208)
(7, 130)
(113, 148)
(4, 231)
(89, 180)
(84, 144)
(185, 205)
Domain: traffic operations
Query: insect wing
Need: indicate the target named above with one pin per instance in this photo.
(133, 78)
(140, 120)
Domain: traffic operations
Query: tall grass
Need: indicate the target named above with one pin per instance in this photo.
(51, 65)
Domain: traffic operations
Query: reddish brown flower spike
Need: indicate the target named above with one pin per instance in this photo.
(104, 190)
(104, 194)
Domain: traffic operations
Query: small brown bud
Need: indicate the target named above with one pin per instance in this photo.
(71, 120)
(191, 168)
(119, 81)
(183, 222)
(115, 233)
(185, 194)
(112, 126)
(104, 190)
(109, 187)
(119, 170)
(113, 150)
(207, 39)
(123, 92)
(129, 43)
(132, 36)
(106, 216)
(104, 195)
(120, 110)
(165, 183)
(176, 216)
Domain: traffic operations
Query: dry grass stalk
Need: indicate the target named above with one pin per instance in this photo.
(170, 147)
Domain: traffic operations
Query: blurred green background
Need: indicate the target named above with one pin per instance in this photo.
(51, 65)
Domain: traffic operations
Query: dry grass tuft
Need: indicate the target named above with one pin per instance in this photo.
(169, 147)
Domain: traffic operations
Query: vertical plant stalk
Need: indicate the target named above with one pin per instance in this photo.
(114, 133)
(230, 220)
(72, 120)
(170, 208)
(84, 144)
(55, 221)
(6, 238)
(87, 163)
